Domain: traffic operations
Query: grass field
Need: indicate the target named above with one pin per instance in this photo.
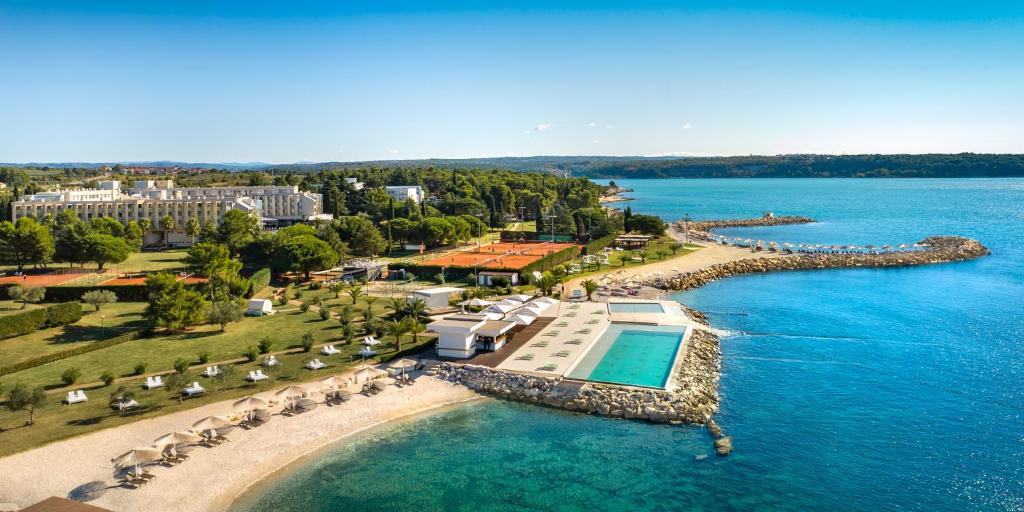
(56, 421)
(9, 307)
(110, 321)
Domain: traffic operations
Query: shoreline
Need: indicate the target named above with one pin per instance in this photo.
(224, 502)
(249, 457)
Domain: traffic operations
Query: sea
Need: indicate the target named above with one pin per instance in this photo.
(843, 390)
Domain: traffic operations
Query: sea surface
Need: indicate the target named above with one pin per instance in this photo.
(846, 390)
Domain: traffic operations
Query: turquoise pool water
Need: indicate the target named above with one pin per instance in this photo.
(631, 354)
(643, 307)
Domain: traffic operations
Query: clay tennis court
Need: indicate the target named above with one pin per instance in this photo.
(51, 279)
(128, 281)
(499, 255)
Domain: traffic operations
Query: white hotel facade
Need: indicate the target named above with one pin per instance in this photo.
(156, 199)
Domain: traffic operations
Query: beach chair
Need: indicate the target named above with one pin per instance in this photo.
(315, 364)
(270, 361)
(75, 397)
(124, 405)
(256, 375)
(193, 390)
(561, 353)
(592, 322)
(539, 344)
(211, 371)
(574, 341)
(548, 368)
(525, 357)
(154, 382)
(329, 350)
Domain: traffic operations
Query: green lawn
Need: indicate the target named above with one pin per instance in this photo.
(285, 329)
(172, 259)
(110, 321)
(9, 307)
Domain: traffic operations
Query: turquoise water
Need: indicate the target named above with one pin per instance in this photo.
(628, 354)
(848, 390)
(640, 307)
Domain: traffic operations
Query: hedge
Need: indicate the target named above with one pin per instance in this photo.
(551, 260)
(259, 281)
(595, 246)
(57, 356)
(26, 322)
(431, 271)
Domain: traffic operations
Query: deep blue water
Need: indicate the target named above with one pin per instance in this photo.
(859, 390)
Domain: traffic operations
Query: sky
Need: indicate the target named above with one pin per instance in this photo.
(282, 82)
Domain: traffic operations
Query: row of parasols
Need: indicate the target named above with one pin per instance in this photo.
(772, 245)
(291, 398)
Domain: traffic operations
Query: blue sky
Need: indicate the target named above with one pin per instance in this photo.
(292, 81)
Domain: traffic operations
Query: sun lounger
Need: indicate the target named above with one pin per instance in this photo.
(270, 361)
(154, 382)
(592, 322)
(315, 364)
(193, 390)
(211, 371)
(548, 368)
(75, 397)
(256, 375)
(539, 344)
(561, 353)
(574, 341)
(525, 357)
(124, 405)
(329, 350)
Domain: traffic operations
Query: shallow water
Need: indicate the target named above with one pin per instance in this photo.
(897, 389)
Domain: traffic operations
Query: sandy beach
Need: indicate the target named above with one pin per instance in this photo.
(709, 254)
(212, 478)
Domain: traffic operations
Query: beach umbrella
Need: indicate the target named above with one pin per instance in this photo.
(367, 352)
(403, 364)
(250, 404)
(292, 392)
(173, 439)
(137, 457)
(333, 382)
(212, 423)
(366, 373)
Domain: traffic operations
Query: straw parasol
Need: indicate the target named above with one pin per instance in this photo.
(212, 423)
(332, 382)
(365, 374)
(173, 439)
(292, 392)
(137, 457)
(403, 364)
(250, 403)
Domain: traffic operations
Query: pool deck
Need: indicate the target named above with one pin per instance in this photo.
(574, 331)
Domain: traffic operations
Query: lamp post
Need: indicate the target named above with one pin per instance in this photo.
(686, 229)
(103, 326)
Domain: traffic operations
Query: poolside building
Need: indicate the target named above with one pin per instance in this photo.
(438, 297)
(461, 336)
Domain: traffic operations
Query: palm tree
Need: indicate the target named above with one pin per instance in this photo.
(369, 299)
(415, 328)
(166, 224)
(398, 328)
(193, 228)
(590, 286)
(396, 306)
(146, 224)
(337, 287)
(418, 309)
(355, 292)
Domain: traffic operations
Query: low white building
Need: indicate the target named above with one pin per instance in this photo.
(259, 307)
(434, 297)
(487, 277)
(401, 193)
(461, 336)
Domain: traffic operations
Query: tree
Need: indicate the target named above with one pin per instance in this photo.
(172, 305)
(674, 247)
(363, 238)
(103, 249)
(30, 295)
(308, 340)
(590, 286)
(70, 376)
(648, 224)
(207, 257)
(237, 229)
(337, 288)
(355, 292)
(396, 305)
(121, 396)
(192, 228)
(69, 238)
(25, 242)
(224, 375)
(146, 224)
(20, 398)
(166, 224)
(398, 328)
(418, 309)
(305, 253)
(546, 283)
(133, 234)
(434, 231)
(223, 313)
(416, 328)
(97, 298)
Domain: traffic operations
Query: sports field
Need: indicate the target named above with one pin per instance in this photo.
(50, 278)
(513, 255)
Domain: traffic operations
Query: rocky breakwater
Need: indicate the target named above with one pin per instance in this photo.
(938, 249)
(693, 400)
(702, 229)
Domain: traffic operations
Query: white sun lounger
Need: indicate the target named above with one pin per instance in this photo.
(256, 376)
(193, 390)
(211, 371)
(76, 396)
(315, 364)
(270, 361)
(154, 382)
(125, 405)
(329, 350)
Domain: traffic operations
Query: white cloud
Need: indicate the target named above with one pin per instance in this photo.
(595, 141)
(543, 126)
(591, 124)
(686, 126)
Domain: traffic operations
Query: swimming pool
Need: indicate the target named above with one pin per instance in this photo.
(635, 307)
(632, 354)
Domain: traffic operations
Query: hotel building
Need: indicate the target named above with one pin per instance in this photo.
(156, 199)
